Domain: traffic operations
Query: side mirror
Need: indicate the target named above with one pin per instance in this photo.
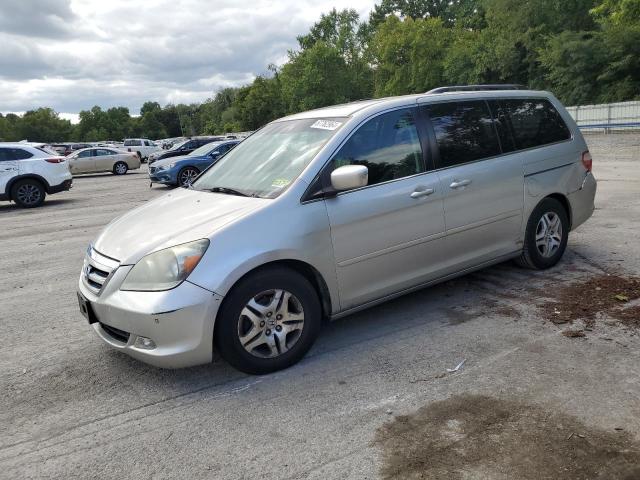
(349, 177)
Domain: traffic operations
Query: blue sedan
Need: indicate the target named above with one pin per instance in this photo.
(182, 171)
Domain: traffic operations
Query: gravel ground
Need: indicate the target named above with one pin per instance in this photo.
(373, 399)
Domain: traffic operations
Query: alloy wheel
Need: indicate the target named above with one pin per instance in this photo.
(28, 194)
(121, 168)
(549, 234)
(187, 176)
(271, 323)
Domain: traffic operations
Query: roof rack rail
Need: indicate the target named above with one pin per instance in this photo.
(476, 88)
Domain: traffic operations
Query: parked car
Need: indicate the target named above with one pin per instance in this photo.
(63, 149)
(327, 212)
(79, 146)
(95, 160)
(143, 147)
(183, 170)
(29, 173)
(183, 148)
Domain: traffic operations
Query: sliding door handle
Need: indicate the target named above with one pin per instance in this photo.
(459, 183)
(422, 193)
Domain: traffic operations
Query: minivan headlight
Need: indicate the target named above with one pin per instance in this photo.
(165, 269)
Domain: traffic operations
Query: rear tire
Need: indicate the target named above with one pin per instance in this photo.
(28, 193)
(546, 235)
(120, 168)
(268, 321)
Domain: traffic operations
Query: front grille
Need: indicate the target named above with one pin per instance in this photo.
(116, 333)
(97, 270)
(152, 169)
(96, 277)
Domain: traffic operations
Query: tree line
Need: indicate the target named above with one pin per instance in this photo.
(584, 51)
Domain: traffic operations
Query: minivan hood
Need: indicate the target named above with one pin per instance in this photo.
(180, 216)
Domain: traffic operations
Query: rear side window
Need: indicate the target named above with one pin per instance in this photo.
(132, 143)
(501, 121)
(388, 145)
(14, 154)
(535, 122)
(464, 132)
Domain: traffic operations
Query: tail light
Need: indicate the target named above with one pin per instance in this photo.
(587, 161)
(55, 160)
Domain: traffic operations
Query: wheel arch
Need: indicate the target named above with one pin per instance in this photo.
(34, 176)
(564, 201)
(303, 268)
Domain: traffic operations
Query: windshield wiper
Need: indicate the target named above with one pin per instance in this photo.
(229, 191)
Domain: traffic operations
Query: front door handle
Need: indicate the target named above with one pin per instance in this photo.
(460, 183)
(422, 193)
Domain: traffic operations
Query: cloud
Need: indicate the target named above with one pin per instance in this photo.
(37, 18)
(73, 54)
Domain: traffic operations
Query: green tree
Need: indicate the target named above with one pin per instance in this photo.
(617, 12)
(573, 61)
(315, 77)
(464, 13)
(43, 125)
(343, 32)
(409, 55)
(260, 102)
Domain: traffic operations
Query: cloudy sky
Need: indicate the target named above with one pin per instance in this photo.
(73, 54)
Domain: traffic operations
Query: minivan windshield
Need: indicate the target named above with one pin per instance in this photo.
(268, 161)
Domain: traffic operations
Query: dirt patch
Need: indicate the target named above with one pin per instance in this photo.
(606, 294)
(574, 333)
(630, 316)
(474, 436)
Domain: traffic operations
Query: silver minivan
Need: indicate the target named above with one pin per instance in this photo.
(326, 212)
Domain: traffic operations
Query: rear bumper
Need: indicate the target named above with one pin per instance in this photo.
(66, 185)
(582, 201)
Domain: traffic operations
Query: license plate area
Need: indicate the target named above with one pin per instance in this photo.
(86, 310)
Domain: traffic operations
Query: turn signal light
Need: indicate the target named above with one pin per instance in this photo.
(587, 161)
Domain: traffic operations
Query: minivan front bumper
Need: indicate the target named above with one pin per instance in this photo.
(178, 322)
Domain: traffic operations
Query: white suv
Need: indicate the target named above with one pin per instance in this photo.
(28, 173)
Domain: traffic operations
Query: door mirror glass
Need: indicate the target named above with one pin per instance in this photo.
(349, 177)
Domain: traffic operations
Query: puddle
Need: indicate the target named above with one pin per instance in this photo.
(481, 437)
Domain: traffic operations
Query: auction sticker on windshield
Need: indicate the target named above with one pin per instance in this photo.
(326, 124)
(280, 182)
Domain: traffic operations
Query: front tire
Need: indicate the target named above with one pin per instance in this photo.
(28, 193)
(187, 175)
(546, 235)
(120, 168)
(268, 321)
